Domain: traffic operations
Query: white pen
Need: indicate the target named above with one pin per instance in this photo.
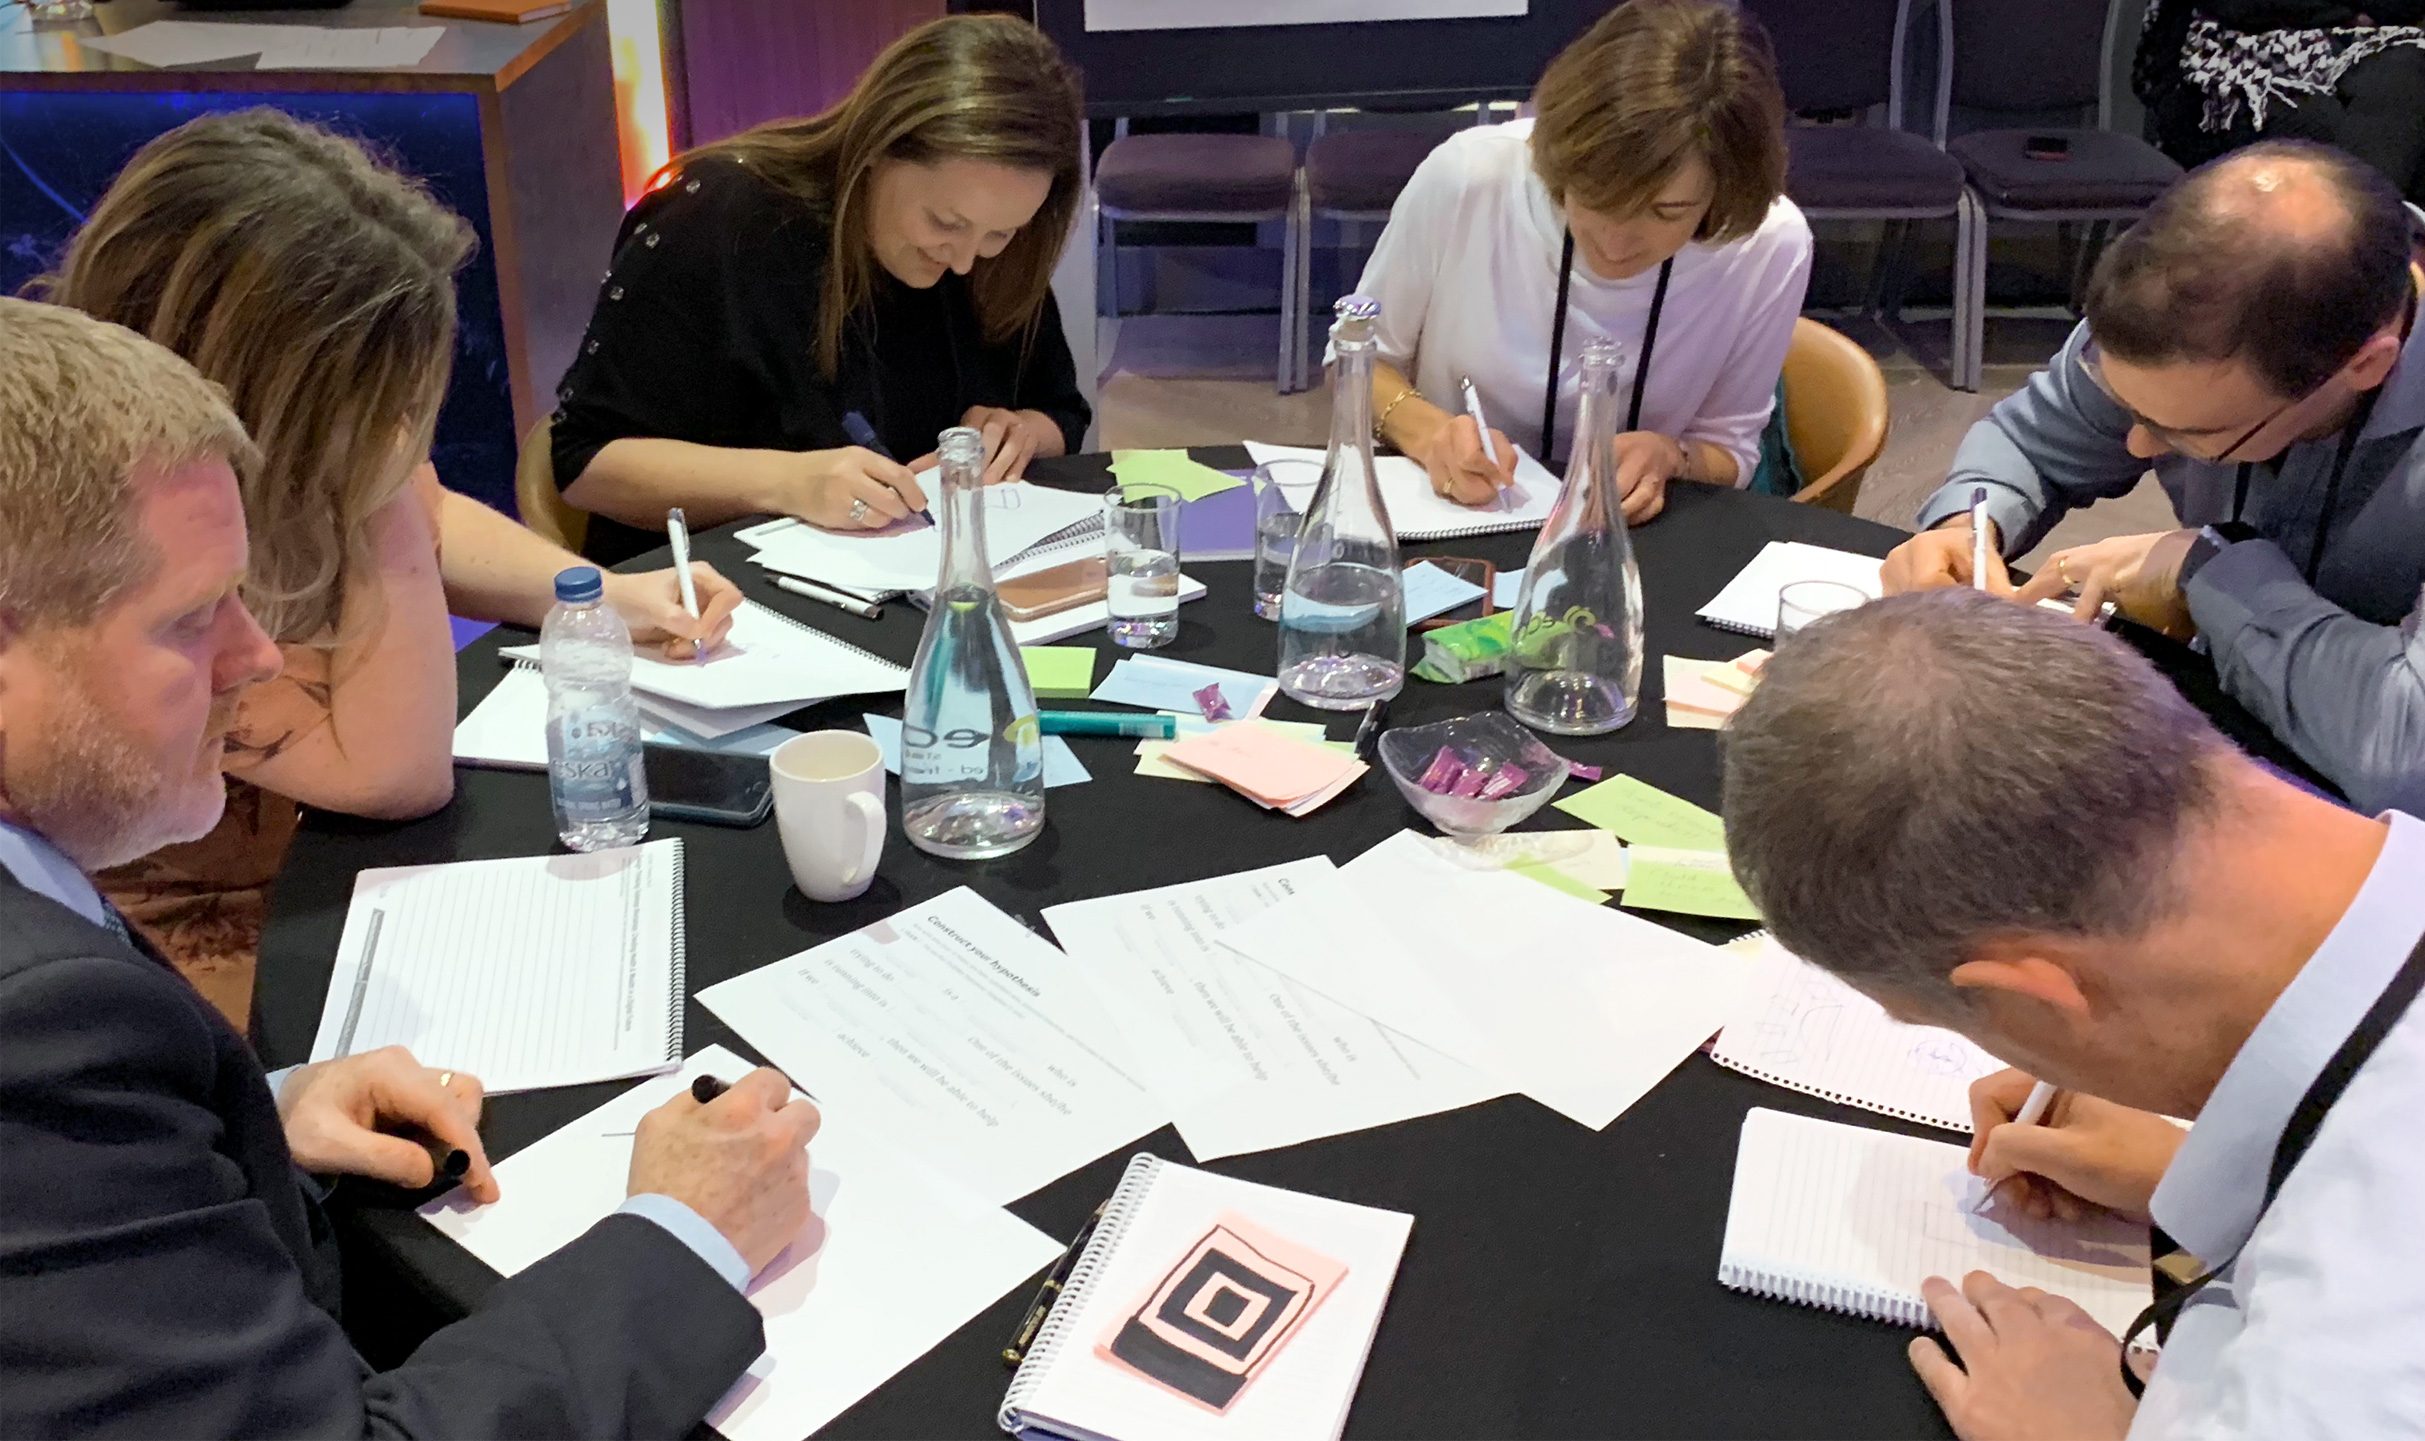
(835, 598)
(1490, 451)
(677, 533)
(2033, 1110)
(1978, 537)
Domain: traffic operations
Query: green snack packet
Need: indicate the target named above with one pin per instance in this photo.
(1468, 650)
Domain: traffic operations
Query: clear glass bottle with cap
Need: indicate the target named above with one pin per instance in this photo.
(1343, 610)
(972, 757)
(1576, 666)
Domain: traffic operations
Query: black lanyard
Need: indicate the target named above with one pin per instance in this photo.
(2332, 482)
(2296, 1136)
(1557, 345)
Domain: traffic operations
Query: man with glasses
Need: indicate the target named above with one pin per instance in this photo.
(2253, 340)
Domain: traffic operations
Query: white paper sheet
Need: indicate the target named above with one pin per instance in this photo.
(897, 1259)
(1245, 1058)
(390, 47)
(1581, 1007)
(530, 972)
(1417, 513)
(956, 1030)
(508, 728)
(908, 557)
(766, 659)
(191, 42)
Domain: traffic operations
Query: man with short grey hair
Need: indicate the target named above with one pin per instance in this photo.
(1991, 819)
(169, 1270)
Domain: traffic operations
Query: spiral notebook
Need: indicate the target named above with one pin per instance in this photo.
(1748, 604)
(1853, 1220)
(1417, 513)
(1797, 1026)
(528, 972)
(1210, 1307)
(767, 659)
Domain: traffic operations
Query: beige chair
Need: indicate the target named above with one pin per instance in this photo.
(543, 506)
(1835, 413)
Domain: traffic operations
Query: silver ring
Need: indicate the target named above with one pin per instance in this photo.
(858, 511)
(446, 1080)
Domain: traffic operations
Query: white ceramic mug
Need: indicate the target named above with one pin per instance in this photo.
(829, 806)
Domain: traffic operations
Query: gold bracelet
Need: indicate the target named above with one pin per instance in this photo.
(1383, 418)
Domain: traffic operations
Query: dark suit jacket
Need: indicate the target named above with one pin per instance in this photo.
(165, 1270)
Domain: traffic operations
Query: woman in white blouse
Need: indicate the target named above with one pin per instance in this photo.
(1644, 204)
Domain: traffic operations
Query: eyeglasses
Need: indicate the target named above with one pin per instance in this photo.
(2092, 360)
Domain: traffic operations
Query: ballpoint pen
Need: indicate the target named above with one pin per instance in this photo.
(2033, 1110)
(1050, 1292)
(1490, 451)
(864, 436)
(863, 608)
(1978, 537)
(677, 533)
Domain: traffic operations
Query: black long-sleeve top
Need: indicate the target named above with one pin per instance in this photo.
(705, 331)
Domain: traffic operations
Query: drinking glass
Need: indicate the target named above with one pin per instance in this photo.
(1141, 542)
(1282, 488)
(1806, 601)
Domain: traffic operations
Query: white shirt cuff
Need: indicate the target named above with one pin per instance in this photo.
(692, 1230)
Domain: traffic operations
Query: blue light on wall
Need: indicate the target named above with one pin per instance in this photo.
(59, 151)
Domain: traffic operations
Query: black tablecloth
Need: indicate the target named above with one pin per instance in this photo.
(1560, 1282)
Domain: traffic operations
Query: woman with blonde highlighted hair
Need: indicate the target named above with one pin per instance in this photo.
(315, 285)
(798, 311)
(1644, 204)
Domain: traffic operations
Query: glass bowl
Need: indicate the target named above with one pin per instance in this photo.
(1486, 742)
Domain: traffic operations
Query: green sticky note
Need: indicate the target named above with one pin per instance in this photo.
(1692, 883)
(1548, 874)
(1643, 814)
(1171, 469)
(1060, 672)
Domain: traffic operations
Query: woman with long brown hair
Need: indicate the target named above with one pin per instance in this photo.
(798, 310)
(316, 286)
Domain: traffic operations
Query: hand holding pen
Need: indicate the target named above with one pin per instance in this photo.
(737, 1155)
(2057, 1152)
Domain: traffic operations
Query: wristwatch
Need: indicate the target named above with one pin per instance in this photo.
(2210, 543)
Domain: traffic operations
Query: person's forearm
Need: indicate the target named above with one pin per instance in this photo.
(637, 479)
(1708, 464)
(494, 569)
(1409, 423)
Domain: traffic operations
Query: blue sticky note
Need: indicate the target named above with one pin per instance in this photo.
(1061, 764)
(1153, 683)
(1432, 591)
(1505, 588)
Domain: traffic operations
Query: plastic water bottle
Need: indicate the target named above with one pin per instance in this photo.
(972, 755)
(594, 772)
(1343, 609)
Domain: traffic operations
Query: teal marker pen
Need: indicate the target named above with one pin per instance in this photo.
(1149, 727)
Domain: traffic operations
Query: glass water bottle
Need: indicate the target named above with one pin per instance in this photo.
(1576, 668)
(972, 758)
(1343, 611)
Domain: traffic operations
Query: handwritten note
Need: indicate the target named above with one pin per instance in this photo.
(1171, 470)
(1265, 767)
(1059, 672)
(1692, 883)
(1549, 874)
(1061, 764)
(1642, 814)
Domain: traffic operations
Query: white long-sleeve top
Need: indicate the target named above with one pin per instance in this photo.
(1467, 276)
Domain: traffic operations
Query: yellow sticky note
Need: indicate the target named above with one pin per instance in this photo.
(1060, 672)
(1557, 880)
(1683, 718)
(1740, 675)
(1642, 814)
(1690, 882)
(1688, 685)
(1172, 469)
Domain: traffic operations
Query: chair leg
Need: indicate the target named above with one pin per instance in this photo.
(1301, 322)
(1284, 366)
(1977, 285)
(1891, 274)
(1107, 260)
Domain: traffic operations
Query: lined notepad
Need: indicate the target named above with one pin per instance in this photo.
(1748, 604)
(1854, 1220)
(1417, 512)
(1801, 1028)
(530, 972)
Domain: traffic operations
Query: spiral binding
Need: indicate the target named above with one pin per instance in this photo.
(1867, 1303)
(680, 996)
(1839, 1097)
(1117, 1213)
(1758, 632)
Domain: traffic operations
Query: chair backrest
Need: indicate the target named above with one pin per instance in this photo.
(544, 508)
(1841, 55)
(2030, 54)
(1835, 413)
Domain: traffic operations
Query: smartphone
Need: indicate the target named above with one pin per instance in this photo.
(1479, 572)
(2046, 147)
(688, 784)
(1060, 588)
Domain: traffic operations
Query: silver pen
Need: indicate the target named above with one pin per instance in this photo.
(1978, 537)
(866, 609)
(677, 534)
(1490, 451)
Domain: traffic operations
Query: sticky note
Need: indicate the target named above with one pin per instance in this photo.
(1690, 882)
(1688, 685)
(1642, 814)
(1154, 683)
(1549, 875)
(1171, 470)
(1061, 764)
(1740, 675)
(1432, 591)
(1685, 718)
(1505, 588)
(1059, 672)
(1266, 767)
(1189, 724)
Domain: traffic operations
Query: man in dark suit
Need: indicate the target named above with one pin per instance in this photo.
(164, 1266)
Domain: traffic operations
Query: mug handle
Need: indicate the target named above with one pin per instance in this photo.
(870, 812)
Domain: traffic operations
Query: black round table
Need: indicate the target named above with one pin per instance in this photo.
(1560, 1282)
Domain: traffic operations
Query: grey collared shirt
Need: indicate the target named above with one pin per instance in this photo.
(2318, 1330)
(42, 868)
(2336, 668)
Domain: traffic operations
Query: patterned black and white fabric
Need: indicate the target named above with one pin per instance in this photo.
(2243, 72)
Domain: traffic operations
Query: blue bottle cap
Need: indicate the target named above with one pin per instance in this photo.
(579, 585)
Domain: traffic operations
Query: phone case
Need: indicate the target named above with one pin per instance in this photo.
(1063, 587)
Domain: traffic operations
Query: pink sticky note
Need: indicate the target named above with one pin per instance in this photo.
(1265, 765)
(1689, 688)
